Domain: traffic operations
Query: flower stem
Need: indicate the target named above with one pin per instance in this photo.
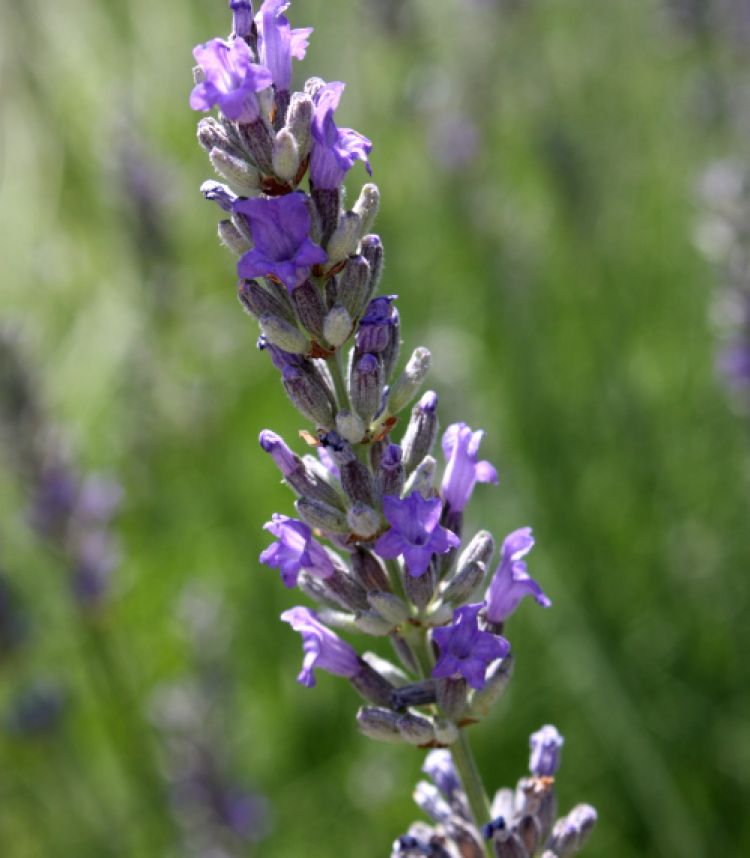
(471, 781)
(337, 373)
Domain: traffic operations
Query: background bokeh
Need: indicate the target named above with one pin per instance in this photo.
(538, 162)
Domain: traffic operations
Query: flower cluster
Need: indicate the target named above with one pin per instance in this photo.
(378, 538)
(523, 820)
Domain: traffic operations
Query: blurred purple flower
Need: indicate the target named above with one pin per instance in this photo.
(415, 532)
(511, 581)
(334, 149)
(322, 648)
(545, 747)
(295, 550)
(231, 80)
(280, 227)
(465, 649)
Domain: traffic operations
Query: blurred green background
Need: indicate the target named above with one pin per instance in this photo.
(537, 162)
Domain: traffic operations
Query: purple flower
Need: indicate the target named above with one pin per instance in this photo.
(280, 227)
(274, 444)
(334, 149)
(278, 43)
(463, 471)
(242, 17)
(295, 550)
(511, 581)
(231, 80)
(465, 649)
(734, 363)
(415, 532)
(321, 646)
(545, 747)
(373, 334)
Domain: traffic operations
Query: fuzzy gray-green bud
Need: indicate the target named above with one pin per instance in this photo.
(421, 432)
(371, 623)
(465, 582)
(337, 326)
(405, 387)
(232, 239)
(345, 238)
(379, 723)
(299, 121)
(363, 520)
(260, 302)
(416, 729)
(366, 386)
(571, 832)
(285, 155)
(350, 426)
(281, 333)
(309, 396)
(241, 177)
(389, 606)
(321, 515)
(367, 206)
(422, 478)
(311, 310)
(479, 550)
(385, 668)
(494, 688)
(354, 285)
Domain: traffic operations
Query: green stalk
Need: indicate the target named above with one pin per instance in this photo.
(337, 373)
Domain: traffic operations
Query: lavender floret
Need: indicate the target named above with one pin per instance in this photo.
(466, 650)
(295, 550)
(463, 469)
(321, 646)
(335, 150)
(511, 581)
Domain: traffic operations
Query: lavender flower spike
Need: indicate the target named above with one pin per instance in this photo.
(321, 646)
(334, 149)
(415, 532)
(463, 471)
(280, 228)
(511, 581)
(278, 43)
(465, 649)
(231, 80)
(545, 747)
(295, 550)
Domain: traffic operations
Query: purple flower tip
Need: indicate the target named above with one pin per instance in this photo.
(466, 650)
(545, 747)
(428, 403)
(275, 445)
(278, 43)
(231, 80)
(511, 581)
(294, 550)
(335, 149)
(463, 470)
(322, 648)
(415, 532)
(280, 229)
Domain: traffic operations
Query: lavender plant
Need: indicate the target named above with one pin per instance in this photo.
(378, 543)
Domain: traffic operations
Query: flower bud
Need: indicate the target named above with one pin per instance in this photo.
(422, 478)
(389, 606)
(373, 624)
(298, 122)
(495, 684)
(232, 238)
(446, 731)
(241, 177)
(310, 308)
(220, 194)
(363, 520)
(321, 515)
(421, 588)
(357, 483)
(369, 570)
(379, 723)
(350, 426)
(416, 729)
(468, 579)
(337, 326)
(308, 396)
(366, 387)
(285, 155)
(479, 550)
(421, 432)
(452, 697)
(257, 136)
(391, 471)
(571, 832)
(408, 383)
(371, 249)
(371, 685)
(354, 285)
(280, 333)
(367, 206)
(345, 238)
(327, 202)
(260, 302)
(211, 134)
(414, 694)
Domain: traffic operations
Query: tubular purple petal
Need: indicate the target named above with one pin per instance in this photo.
(322, 648)
(511, 581)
